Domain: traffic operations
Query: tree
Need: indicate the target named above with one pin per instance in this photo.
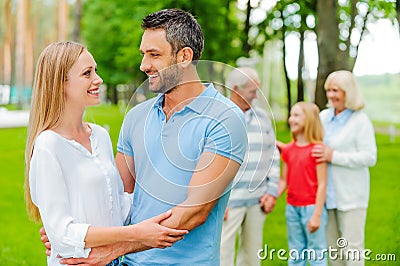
(7, 66)
(76, 34)
(20, 50)
(327, 38)
(286, 18)
(116, 48)
(341, 27)
(62, 22)
(398, 14)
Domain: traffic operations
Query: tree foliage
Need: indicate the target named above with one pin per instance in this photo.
(339, 25)
(112, 32)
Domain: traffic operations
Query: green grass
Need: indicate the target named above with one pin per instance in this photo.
(20, 242)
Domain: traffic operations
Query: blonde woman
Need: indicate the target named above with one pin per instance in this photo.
(305, 181)
(72, 184)
(350, 149)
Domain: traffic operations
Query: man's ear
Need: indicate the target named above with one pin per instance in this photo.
(185, 56)
(235, 88)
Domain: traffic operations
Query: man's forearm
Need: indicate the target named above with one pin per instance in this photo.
(124, 248)
(185, 217)
(104, 254)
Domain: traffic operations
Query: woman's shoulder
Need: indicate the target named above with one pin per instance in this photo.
(47, 139)
(326, 113)
(360, 117)
(98, 128)
(99, 132)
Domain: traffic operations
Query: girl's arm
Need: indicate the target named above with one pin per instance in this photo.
(282, 185)
(315, 220)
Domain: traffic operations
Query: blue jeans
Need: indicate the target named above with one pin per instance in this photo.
(114, 262)
(304, 245)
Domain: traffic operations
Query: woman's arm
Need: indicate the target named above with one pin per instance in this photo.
(149, 232)
(71, 239)
(361, 152)
(315, 220)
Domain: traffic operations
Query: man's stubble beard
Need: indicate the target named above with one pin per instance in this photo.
(170, 78)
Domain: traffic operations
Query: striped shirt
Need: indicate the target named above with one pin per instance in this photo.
(259, 174)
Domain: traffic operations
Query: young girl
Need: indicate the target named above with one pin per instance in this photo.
(72, 184)
(305, 181)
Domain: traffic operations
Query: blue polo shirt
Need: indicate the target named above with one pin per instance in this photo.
(166, 155)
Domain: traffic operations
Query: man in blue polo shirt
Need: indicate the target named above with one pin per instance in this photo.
(179, 150)
(183, 148)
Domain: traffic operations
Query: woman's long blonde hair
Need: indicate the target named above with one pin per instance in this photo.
(48, 101)
(313, 129)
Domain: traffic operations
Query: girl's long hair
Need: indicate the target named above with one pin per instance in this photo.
(313, 129)
(48, 101)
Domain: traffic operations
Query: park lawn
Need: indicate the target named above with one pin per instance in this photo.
(20, 242)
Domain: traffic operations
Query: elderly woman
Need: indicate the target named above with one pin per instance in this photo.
(349, 148)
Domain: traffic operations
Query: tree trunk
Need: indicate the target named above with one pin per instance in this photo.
(62, 22)
(28, 62)
(76, 35)
(287, 80)
(398, 13)
(8, 32)
(300, 67)
(20, 51)
(246, 45)
(327, 38)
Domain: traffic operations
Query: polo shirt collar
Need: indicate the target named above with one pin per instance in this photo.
(198, 104)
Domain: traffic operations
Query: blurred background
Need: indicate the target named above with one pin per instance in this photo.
(293, 44)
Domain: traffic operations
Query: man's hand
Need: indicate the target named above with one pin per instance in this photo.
(45, 240)
(267, 203)
(98, 256)
(151, 233)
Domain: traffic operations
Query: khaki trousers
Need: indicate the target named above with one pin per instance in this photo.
(247, 223)
(345, 232)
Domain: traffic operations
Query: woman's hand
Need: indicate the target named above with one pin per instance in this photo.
(322, 153)
(45, 240)
(151, 233)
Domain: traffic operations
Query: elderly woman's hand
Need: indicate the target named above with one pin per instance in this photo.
(322, 152)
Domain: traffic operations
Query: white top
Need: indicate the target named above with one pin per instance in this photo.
(354, 151)
(74, 189)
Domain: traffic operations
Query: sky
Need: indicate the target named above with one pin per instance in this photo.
(379, 51)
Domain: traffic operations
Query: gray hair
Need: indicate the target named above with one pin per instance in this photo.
(240, 76)
(347, 82)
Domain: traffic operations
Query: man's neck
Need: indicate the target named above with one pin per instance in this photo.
(182, 95)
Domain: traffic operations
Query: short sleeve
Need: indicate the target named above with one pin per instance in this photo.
(284, 153)
(124, 141)
(227, 136)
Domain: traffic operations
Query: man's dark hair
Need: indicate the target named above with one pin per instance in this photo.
(181, 28)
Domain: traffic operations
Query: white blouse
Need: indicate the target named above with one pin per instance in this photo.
(74, 188)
